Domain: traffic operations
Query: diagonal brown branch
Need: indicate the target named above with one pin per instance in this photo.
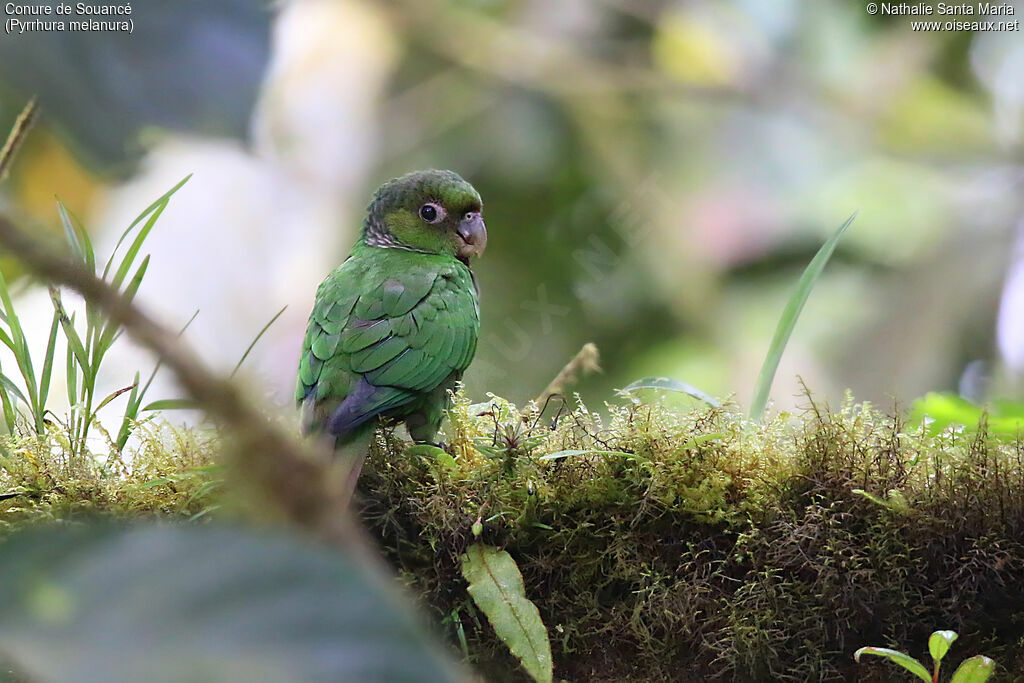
(304, 483)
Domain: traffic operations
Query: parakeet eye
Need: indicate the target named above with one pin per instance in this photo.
(432, 213)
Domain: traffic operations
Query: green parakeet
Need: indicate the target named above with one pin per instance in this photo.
(395, 325)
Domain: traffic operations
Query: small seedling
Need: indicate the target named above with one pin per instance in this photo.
(977, 669)
(509, 441)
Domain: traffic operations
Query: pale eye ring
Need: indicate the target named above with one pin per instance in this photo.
(432, 213)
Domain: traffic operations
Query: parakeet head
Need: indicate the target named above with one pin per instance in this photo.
(430, 211)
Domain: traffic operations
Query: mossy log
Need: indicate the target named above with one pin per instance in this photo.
(690, 546)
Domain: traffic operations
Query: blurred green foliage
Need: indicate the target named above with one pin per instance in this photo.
(656, 174)
(937, 411)
(189, 65)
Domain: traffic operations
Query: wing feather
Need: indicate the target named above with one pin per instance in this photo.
(373, 349)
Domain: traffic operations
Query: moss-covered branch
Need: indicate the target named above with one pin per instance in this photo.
(693, 546)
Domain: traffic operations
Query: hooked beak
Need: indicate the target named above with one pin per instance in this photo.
(472, 235)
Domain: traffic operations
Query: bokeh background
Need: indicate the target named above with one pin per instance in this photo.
(656, 174)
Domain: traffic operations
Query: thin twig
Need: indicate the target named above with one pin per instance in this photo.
(17, 135)
(305, 483)
(582, 364)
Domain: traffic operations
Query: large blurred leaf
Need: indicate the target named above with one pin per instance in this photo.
(188, 65)
(937, 411)
(200, 603)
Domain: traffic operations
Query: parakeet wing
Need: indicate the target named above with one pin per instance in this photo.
(374, 349)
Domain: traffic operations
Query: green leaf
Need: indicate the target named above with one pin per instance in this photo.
(938, 644)
(133, 251)
(110, 329)
(44, 379)
(894, 501)
(669, 384)
(131, 412)
(72, 374)
(438, 455)
(176, 603)
(71, 334)
(115, 394)
(77, 237)
(9, 386)
(787, 322)
(496, 587)
(977, 669)
(160, 204)
(906, 661)
(558, 455)
(17, 343)
(424, 449)
(6, 339)
(940, 410)
(172, 404)
(10, 420)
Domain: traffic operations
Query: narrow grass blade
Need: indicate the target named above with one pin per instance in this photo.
(117, 393)
(16, 342)
(44, 379)
(8, 342)
(133, 285)
(77, 237)
(156, 367)
(131, 412)
(12, 389)
(71, 334)
(172, 404)
(18, 133)
(72, 374)
(9, 418)
(256, 339)
(110, 329)
(788, 320)
(136, 245)
(159, 203)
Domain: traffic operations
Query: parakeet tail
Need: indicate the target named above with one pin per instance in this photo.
(352, 449)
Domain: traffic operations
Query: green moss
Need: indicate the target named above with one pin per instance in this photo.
(679, 546)
(168, 470)
(705, 547)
